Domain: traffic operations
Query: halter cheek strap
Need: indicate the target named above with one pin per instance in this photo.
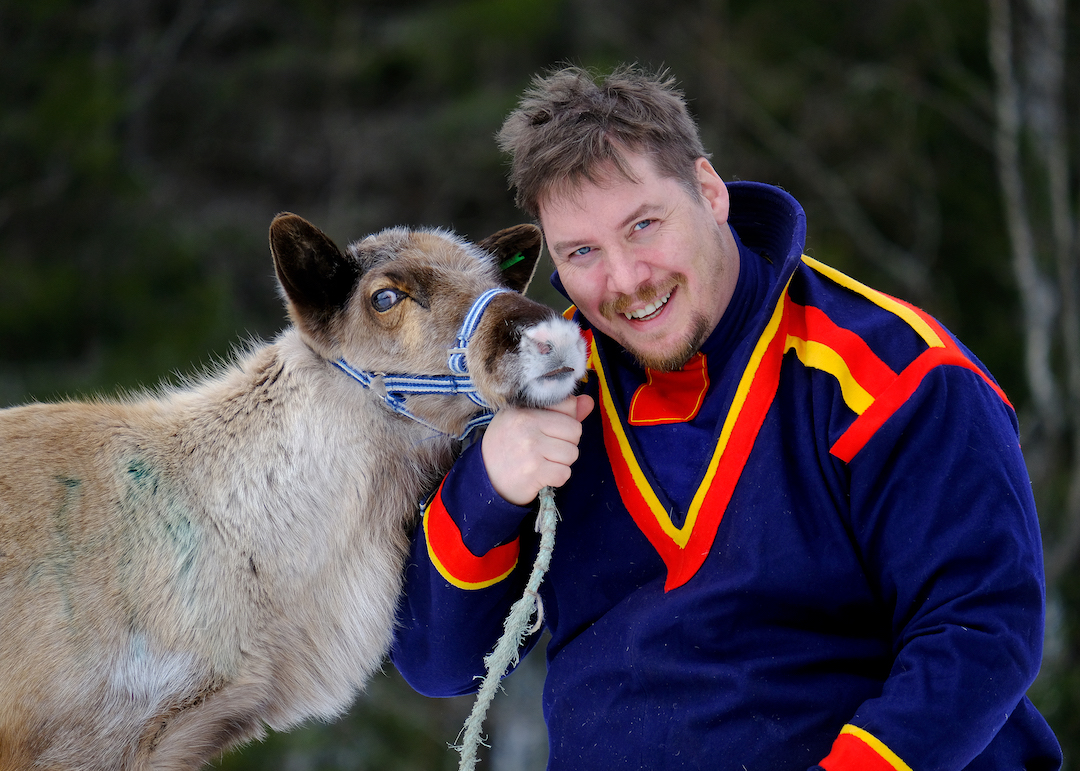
(394, 388)
(468, 329)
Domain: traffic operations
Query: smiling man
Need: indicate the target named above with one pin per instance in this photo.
(653, 266)
(798, 532)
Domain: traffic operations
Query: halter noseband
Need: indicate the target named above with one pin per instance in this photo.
(394, 388)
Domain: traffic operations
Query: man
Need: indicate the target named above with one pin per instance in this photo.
(799, 532)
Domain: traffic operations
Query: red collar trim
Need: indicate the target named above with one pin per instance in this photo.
(670, 397)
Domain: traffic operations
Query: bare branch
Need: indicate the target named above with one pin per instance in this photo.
(1037, 296)
(1044, 71)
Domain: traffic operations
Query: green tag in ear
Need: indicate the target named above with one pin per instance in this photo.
(512, 261)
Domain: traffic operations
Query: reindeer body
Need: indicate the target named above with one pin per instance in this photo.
(178, 571)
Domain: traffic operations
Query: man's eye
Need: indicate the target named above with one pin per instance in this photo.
(385, 299)
(581, 252)
(643, 224)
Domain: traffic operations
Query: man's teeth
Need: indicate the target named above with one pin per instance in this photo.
(648, 310)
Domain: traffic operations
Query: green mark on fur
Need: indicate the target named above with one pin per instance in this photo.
(510, 262)
(142, 476)
(156, 517)
(61, 558)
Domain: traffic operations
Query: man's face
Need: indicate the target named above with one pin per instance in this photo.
(648, 264)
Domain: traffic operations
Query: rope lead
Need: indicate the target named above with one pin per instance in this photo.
(516, 628)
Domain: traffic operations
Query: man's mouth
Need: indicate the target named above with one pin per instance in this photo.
(649, 311)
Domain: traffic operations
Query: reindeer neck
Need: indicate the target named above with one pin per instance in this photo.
(286, 415)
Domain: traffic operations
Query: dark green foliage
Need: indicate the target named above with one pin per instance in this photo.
(145, 146)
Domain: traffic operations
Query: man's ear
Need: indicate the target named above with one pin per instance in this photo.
(315, 276)
(713, 190)
(517, 252)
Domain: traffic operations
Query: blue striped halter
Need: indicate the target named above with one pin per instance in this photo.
(394, 388)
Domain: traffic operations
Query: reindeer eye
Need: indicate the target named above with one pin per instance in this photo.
(385, 299)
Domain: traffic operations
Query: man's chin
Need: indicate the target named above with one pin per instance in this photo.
(659, 363)
(671, 358)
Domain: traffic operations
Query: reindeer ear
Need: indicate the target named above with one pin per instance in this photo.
(315, 276)
(517, 250)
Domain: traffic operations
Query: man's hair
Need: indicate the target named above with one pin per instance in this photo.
(572, 126)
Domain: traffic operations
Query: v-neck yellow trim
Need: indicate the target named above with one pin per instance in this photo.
(681, 535)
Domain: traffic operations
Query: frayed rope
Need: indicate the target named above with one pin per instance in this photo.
(516, 628)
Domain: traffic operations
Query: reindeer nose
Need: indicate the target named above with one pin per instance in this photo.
(543, 344)
(547, 348)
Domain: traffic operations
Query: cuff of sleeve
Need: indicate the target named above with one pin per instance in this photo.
(859, 750)
(477, 545)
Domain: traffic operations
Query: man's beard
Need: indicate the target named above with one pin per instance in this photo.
(677, 358)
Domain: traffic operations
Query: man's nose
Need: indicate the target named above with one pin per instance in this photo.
(625, 272)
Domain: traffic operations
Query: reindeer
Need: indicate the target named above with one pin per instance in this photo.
(179, 570)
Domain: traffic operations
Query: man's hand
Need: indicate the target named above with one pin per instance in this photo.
(525, 450)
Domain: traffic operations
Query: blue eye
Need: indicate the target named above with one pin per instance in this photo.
(385, 299)
(581, 252)
(643, 224)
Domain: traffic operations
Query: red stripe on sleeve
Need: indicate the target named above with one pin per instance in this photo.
(851, 752)
(866, 425)
(452, 557)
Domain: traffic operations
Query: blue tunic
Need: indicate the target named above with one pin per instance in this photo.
(815, 547)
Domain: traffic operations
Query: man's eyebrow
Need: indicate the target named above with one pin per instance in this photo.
(560, 247)
(646, 208)
(639, 213)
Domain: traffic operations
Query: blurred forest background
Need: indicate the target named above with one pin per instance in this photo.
(145, 146)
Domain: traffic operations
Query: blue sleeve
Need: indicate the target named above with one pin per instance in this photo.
(460, 581)
(943, 515)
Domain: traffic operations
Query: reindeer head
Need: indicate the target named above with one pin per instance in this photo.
(395, 302)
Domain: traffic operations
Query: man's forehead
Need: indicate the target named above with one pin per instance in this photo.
(631, 199)
(625, 166)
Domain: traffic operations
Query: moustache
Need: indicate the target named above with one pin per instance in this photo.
(642, 296)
